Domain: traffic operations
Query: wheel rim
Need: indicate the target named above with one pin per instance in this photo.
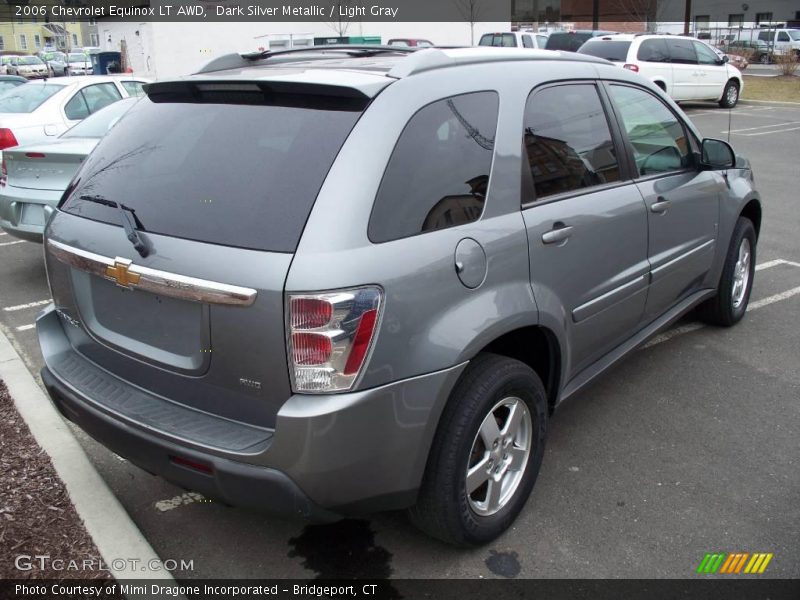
(733, 94)
(741, 274)
(498, 457)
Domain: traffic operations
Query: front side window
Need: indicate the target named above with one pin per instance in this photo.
(658, 139)
(783, 36)
(438, 174)
(705, 55)
(527, 41)
(567, 141)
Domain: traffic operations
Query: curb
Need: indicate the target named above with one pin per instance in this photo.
(114, 533)
(744, 101)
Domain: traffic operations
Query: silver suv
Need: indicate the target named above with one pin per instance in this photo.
(335, 281)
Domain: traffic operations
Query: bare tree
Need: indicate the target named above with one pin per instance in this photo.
(470, 10)
(648, 12)
(339, 21)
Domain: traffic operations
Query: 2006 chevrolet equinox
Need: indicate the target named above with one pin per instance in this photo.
(331, 282)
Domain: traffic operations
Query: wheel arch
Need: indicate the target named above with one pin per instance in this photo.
(752, 211)
(539, 348)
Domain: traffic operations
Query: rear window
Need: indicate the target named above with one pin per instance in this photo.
(610, 50)
(244, 171)
(505, 40)
(567, 41)
(27, 98)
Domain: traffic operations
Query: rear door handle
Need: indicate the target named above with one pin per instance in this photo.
(660, 205)
(559, 233)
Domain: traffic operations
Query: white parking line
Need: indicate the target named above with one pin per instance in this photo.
(689, 327)
(28, 305)
(3, 233)
(25, 327)
(766, 132)
(12, 243)
(772, 299)
(185, 498)
(762, 127)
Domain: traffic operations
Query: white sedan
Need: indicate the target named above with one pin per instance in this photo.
(42, 110)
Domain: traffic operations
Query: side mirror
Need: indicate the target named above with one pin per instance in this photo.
(717, 154)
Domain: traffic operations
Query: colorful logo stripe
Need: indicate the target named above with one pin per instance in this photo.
(734, 563)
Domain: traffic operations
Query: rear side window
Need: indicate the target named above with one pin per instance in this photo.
(91, 99)
(438, 174)
(682, 52)
(134, 88)
(608, 49)
(567, 141)
(653, 51)
(236, 169)
(527, 42)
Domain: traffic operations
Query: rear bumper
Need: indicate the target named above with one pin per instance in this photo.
(13, 200)
(329, 456)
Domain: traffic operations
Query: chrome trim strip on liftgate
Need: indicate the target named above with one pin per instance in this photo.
(151, 280)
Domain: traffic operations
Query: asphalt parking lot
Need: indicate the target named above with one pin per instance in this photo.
(689, 446)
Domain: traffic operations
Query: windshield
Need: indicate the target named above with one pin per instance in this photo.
(243, 171)
(27, 98)
(98, 124)
(610, 50)
(78, 58)
(53, 56)
(794, 34)
(9, 85)
(30, 60)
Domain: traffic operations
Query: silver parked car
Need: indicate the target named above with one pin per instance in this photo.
(34, 177)
(30, 67)
(56, 62)
(42, 110)
(332, 281)
(78, 63)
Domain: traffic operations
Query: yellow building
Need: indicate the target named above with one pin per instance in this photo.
(31, 34)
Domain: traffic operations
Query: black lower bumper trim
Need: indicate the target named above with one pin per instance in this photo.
(231, 482)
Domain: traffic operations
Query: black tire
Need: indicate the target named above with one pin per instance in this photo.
(720, 310)
(731, 95)
(764, 59)
(443, 509)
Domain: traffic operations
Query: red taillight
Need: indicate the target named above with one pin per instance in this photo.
(311, 349)
(330, 335)
(630, 67)
(7, 139)
(34, 154)
(361, 342)
(310, 313)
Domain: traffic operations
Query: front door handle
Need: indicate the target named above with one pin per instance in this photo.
(660, 205)
(559, 233)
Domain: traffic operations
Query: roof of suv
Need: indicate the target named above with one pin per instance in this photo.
(365, 68)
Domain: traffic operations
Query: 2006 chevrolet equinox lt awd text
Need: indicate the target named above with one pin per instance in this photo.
(332, 282)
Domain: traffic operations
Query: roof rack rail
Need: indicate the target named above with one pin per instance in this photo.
(238, 61)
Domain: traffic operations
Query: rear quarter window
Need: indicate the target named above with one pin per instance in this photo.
(438, 174)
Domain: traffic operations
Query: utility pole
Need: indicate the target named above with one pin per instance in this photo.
(687, 17)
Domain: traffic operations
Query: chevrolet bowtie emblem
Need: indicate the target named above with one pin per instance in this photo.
(121, 274)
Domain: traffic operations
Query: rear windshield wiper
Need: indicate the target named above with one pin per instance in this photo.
(128, 223)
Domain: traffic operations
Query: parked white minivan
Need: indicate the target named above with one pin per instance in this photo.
(684, 67)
